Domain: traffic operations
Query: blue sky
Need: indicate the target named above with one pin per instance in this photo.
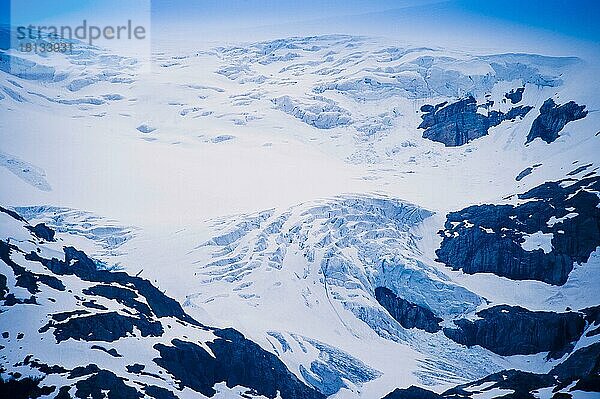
(572, 18)
(575, 18)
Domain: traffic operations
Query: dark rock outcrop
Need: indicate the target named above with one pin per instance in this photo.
(527, 171)
(3, 287)
(581, 363)
(25, 388)
(26, 278)
(458, 123)
(106, 327)
(79, 264)
(509, 384)
(412, 392)
(102, 381)
(63, 393)
(122, 295)
(513, 330)
(515, 95)
(524, 173)
(521, 382)
(579, 169)
(408, 314)
(236, 361)
(553, 118)
(159, 393)
(112, 351)
(44, 368)
(489, 238)
(42, 231)
(12, 214)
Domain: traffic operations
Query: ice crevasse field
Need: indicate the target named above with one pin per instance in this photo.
(309, 209)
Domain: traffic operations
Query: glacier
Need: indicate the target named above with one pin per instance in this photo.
(333, 215)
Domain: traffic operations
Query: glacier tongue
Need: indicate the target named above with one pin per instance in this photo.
(328, 257)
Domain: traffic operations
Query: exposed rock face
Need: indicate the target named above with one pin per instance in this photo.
(234, 360)
(553, 118)
(408, 314)
(3, 287)
(515, 96)
(512, 330)
(79, 264)
(579, 169)
(24, 388)
(521, 382)
(527, 171)
(412, 392)
(42, 231)
(458, 123)
(493, 238)
(516, 384)
(106, 327)
(524, 173)
(105, 380)
(111, 351)
(580, 364)
(26, 278)
(13, 214)
(122, 295)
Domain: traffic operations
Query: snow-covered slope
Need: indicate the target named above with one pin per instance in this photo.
(135, 341)
(369, 215)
